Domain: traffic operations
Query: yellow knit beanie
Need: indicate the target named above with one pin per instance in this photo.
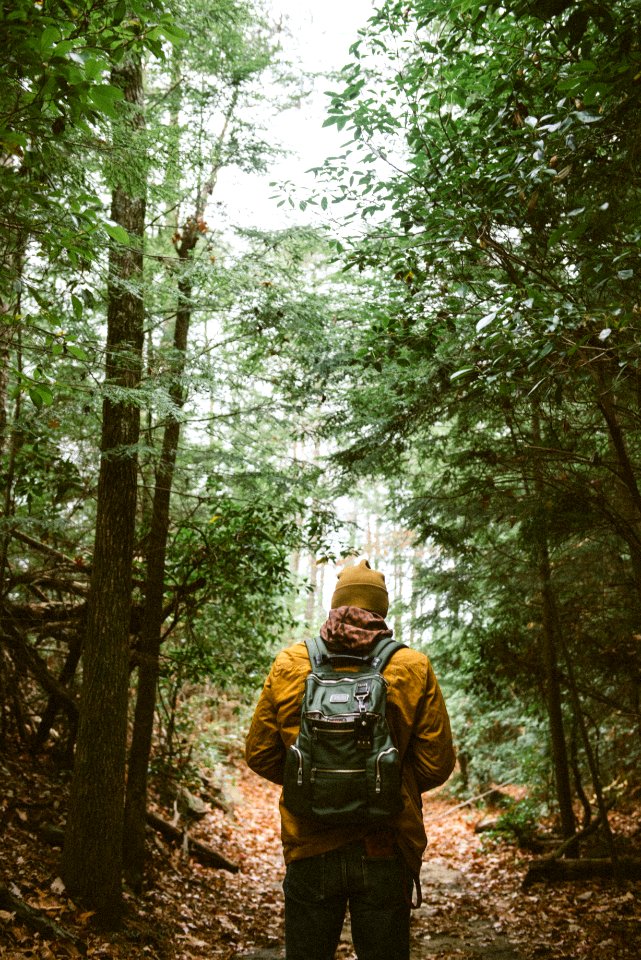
(360, 586)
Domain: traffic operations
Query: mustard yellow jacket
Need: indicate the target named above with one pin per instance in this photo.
(419, 726)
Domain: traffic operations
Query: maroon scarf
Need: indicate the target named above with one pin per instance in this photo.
(353, 629)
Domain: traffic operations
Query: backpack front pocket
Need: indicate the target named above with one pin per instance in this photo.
(339, 793)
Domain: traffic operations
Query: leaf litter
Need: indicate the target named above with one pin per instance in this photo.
(474, 905)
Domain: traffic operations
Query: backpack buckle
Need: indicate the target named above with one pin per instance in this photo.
(362, 691)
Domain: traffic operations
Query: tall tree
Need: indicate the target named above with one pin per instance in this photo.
(92, 855)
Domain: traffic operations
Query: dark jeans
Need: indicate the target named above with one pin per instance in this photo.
(318, 889)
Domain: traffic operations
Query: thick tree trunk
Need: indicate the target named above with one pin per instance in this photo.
(92, 858)
(6, 336)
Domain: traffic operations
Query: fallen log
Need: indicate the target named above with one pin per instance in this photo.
(36, 920)
(626, 868)
(200, 851)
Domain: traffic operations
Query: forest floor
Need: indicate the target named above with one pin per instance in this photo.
(474, 905)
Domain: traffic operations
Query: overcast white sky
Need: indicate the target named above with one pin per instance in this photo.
(317, 35)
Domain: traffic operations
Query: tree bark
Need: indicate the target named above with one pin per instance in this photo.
(150, 641)
(554, 698)
(92, 858)
(550, 661)
(590, 757)
(627, 512)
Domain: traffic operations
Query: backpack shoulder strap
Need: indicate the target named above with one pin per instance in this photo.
(324, 662)
(384, 651)
(316, 649)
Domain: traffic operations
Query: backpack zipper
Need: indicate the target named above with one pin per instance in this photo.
(383, 753)
(299, 778)
(338, 720)
(316, 770)
(340, 733)
(330, 681)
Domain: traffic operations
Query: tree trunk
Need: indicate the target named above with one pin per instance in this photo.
(6, 336)
(92, 858)
(590, 756)
(10, 439)
(626, 495)
(148, 668)
(310, 605)
(398, 594)
(550, 661)
(553, 697)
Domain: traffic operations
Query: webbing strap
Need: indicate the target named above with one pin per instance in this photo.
(324, 662)
(416, 882)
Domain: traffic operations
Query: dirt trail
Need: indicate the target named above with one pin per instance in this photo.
(455, 921)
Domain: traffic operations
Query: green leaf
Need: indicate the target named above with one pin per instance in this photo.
(173, 33)
(117, 233)
(77, 352)
(40, 395)
(105, 96)
(48, 38)
(76, 304)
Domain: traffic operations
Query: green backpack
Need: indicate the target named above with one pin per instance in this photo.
(344, 767)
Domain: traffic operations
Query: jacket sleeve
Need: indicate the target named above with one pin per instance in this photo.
(264, 748)
(432, 751)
